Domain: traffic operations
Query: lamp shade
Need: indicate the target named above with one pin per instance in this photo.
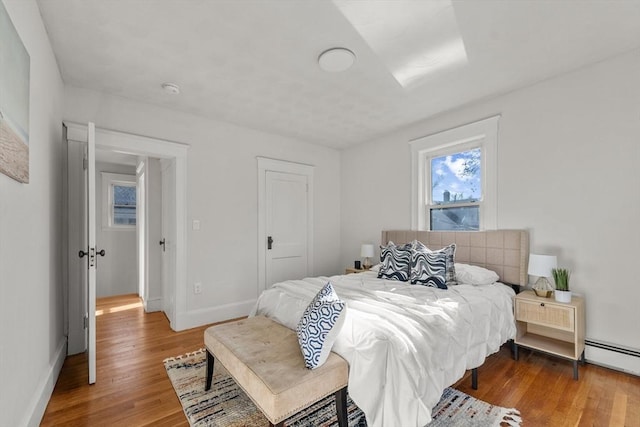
(541, 265)
(366, 251)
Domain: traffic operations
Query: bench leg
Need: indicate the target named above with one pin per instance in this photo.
(207, 386)
(341, 407)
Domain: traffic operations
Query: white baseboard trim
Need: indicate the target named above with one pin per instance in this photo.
(44, 390)
(204, 316)
(613, 360)
(152, 304)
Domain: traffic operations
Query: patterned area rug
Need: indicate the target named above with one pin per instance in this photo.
(226, 405)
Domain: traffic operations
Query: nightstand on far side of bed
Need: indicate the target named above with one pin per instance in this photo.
(551, 327)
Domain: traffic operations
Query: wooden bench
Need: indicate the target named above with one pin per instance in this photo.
(265, 360)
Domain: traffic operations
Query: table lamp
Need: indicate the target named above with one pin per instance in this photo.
(366, 251)
(541, 266)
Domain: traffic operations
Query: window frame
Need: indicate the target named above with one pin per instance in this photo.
(482, 134)
(109, 180)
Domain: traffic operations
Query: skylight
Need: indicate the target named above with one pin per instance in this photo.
(414, 39)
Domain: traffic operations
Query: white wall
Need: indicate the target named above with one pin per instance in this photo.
(32, 334)
(568, 170)
(222, 194)
(117, 272)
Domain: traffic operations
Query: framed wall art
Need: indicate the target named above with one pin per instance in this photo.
(14, 101)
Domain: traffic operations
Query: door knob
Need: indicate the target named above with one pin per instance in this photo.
(101, 252)
(163, 244)
(83, 253)
(269, 242)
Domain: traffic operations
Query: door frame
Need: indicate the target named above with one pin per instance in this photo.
(158, 148)
(142, 229)
(166, 230)
(266, 164)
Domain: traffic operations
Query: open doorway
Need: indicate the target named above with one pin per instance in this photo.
(117, 205)
(143, 153)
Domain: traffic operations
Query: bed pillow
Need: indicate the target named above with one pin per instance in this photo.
(450, 253)
(395, 262)
(319, 326)
(375, 268)
(474, 275)
(429, 268)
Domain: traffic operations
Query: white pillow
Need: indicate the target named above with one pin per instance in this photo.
(376, 268)
(474, 275)
(319, 326)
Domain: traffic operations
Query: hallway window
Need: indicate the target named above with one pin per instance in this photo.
(124, 204)
(119, 201)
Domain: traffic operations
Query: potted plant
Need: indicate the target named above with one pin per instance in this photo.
(561, 277)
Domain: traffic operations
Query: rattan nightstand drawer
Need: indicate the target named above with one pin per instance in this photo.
(546, 314)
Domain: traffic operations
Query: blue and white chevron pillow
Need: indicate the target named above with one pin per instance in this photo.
(319, 326)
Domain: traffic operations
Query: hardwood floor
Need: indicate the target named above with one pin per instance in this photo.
(133, 389)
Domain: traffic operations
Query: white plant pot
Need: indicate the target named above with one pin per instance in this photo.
(563, 296)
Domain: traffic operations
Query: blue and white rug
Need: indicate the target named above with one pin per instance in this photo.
(226, 405)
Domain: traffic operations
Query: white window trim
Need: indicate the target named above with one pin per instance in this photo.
(108, 180)
(484, 134)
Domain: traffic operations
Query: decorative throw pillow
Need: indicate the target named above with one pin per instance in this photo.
(429, 268)
(395, 262)
(450, 252)
(450, 277)
(319, 326)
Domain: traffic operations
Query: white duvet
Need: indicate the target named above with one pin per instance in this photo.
(404, 343)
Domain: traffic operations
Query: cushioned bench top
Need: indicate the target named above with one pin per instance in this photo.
(264, 358)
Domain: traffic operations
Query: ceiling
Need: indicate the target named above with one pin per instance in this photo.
(254, 62)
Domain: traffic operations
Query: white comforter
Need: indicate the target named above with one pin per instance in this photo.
(404, 343)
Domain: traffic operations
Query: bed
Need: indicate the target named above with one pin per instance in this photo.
(406, 343)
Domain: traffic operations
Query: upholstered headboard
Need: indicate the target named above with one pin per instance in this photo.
(504, 251)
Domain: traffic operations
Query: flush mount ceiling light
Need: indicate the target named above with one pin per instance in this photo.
(336, 59)
(171, 88)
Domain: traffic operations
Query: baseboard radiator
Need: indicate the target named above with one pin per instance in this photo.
(613, 347)
(613, 356)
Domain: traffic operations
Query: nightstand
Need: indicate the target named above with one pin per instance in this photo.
(354, 270)
(551, 327)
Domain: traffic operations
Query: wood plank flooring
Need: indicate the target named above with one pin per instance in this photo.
(132, 387)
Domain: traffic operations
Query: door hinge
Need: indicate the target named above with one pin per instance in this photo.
(85, 321)
(85, 163)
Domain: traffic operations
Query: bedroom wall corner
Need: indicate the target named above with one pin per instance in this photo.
(32, 241)
(374, 194)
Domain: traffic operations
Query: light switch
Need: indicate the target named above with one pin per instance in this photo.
(196, 224)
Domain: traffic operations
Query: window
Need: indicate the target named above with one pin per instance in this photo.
(124, 204)
(454, 178)
(118, 201)
(455, 190)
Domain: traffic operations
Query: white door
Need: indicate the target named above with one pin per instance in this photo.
(91, 251)
(168, 239)
(286, 226)
(141, 227)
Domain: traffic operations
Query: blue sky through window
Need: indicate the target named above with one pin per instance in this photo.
(124, 195)
(459, 175)
(124, 205)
